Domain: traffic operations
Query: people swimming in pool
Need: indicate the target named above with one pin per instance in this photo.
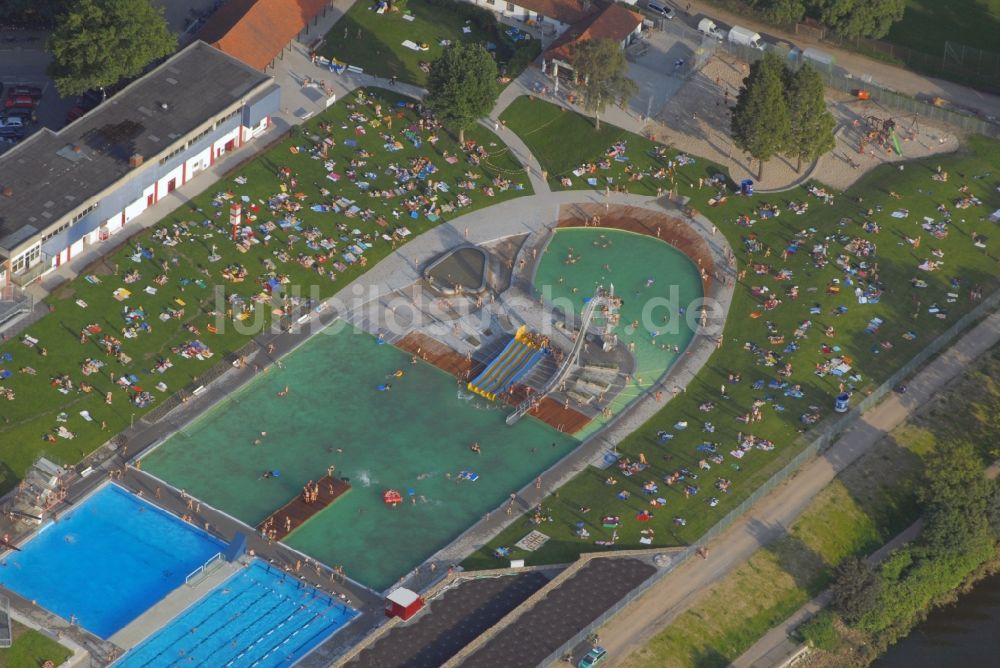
(384, 387)
(398, 373)
(270, 474)
(475, 448)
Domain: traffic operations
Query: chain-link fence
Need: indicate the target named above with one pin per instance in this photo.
(820, 442)
(837, 78)
(957, 62)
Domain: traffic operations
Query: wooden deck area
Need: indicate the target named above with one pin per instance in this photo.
(551, 412)
(434, 352)
(299, 511)
(674, 231)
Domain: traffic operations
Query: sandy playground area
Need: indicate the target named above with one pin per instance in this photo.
(696, 120)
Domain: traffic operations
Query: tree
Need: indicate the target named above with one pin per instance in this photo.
(96, 43)
(462, 86)
(860, 18)
(956, 497)
(600, 67)
(780, 11)
(759, 123)
(811, 124)
(856, 588)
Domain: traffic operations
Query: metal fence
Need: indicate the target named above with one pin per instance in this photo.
(836, 77)
(829, 434)
(958, 62)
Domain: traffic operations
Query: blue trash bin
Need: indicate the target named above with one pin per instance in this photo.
(842, 403)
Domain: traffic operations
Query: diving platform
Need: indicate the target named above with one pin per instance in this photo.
(299, 512)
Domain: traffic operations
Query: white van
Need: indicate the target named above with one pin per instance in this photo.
(745, 37)
(660, 10)
(707, 27)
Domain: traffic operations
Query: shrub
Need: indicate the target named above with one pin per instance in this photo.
(821, 632)
(523, 55)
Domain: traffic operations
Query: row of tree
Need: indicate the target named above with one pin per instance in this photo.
(779, 111)
(850, 18)
(962, 526)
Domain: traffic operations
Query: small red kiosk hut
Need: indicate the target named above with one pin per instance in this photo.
(402, 603)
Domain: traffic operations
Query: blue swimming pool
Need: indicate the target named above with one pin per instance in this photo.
(259, 617)
(107, 561)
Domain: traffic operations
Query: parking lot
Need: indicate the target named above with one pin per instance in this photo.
(23, 62)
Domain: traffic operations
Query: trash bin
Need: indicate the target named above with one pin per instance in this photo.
(746, 187)
(842, 403)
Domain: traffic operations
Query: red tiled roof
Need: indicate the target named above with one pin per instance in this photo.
(255, 31)
(567, 11)
(614, 22)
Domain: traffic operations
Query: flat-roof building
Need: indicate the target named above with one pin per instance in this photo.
(61, 192)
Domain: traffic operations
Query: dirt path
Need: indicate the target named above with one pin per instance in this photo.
(636, 625)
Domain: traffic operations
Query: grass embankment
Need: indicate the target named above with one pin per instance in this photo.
(871, 501)
(815, 241)
(374, 41)
(178, 298)
(927, 25)
(32, 648)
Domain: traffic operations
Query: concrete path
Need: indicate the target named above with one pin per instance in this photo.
(767, 521)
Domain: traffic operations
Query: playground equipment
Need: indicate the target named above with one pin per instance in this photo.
(882, 133)
(515, 360)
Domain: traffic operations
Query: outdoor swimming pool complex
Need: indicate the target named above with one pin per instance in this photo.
(414, 438)
(259, 617)
(107, 561)
(633, 260)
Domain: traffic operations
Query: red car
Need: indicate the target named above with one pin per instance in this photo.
(20, 101)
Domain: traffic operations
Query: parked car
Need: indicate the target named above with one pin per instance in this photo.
(595, 656)
(12, 133)
(30, 91)
(661, 10)
(12, 122)
(74, 113)
(25, 101)
(89, 100)
(25, 115)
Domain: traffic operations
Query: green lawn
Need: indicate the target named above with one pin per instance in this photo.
(928, 24)
(190, 283)
(374, 41)
(873, 356)
(562, 141)
(31, 648)
(869, 503)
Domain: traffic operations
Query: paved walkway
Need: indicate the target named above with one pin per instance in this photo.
(767, 521)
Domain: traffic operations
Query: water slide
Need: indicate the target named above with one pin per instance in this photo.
(517, 357)
(568, 363)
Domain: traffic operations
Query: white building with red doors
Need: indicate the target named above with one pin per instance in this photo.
(62, 192)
